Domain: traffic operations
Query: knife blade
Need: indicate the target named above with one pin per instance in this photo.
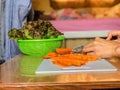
(77, 49)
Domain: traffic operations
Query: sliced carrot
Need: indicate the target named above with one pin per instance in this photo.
(78, 63)
(63, 50)
(63, 57)
(50, 55)
(47, 57)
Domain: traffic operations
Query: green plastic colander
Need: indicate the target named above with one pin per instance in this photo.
(39, 47)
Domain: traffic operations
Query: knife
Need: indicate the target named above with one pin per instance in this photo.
(77, 49)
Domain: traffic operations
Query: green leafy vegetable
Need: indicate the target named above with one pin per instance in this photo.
(39, 29)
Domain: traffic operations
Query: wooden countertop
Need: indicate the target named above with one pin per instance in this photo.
(18, 74)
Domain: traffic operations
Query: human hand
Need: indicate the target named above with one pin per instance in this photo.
(114, 33)
(102, 47)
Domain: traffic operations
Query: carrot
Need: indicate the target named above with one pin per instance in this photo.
(50, 55)
(46, 57)
(73, 59)
(63, 50)
(63, 57)
(64, 61)
(78, 63)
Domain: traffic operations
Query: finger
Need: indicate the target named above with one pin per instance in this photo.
(91, 53)
(88, 45)
(88, 49)
(109, 37)
(98, 39)
(113, 33)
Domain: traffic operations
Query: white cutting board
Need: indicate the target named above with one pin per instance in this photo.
(94, 66)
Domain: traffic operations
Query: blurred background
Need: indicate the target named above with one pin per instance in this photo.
(76, 9)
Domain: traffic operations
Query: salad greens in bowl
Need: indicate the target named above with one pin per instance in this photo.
(37, 38)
